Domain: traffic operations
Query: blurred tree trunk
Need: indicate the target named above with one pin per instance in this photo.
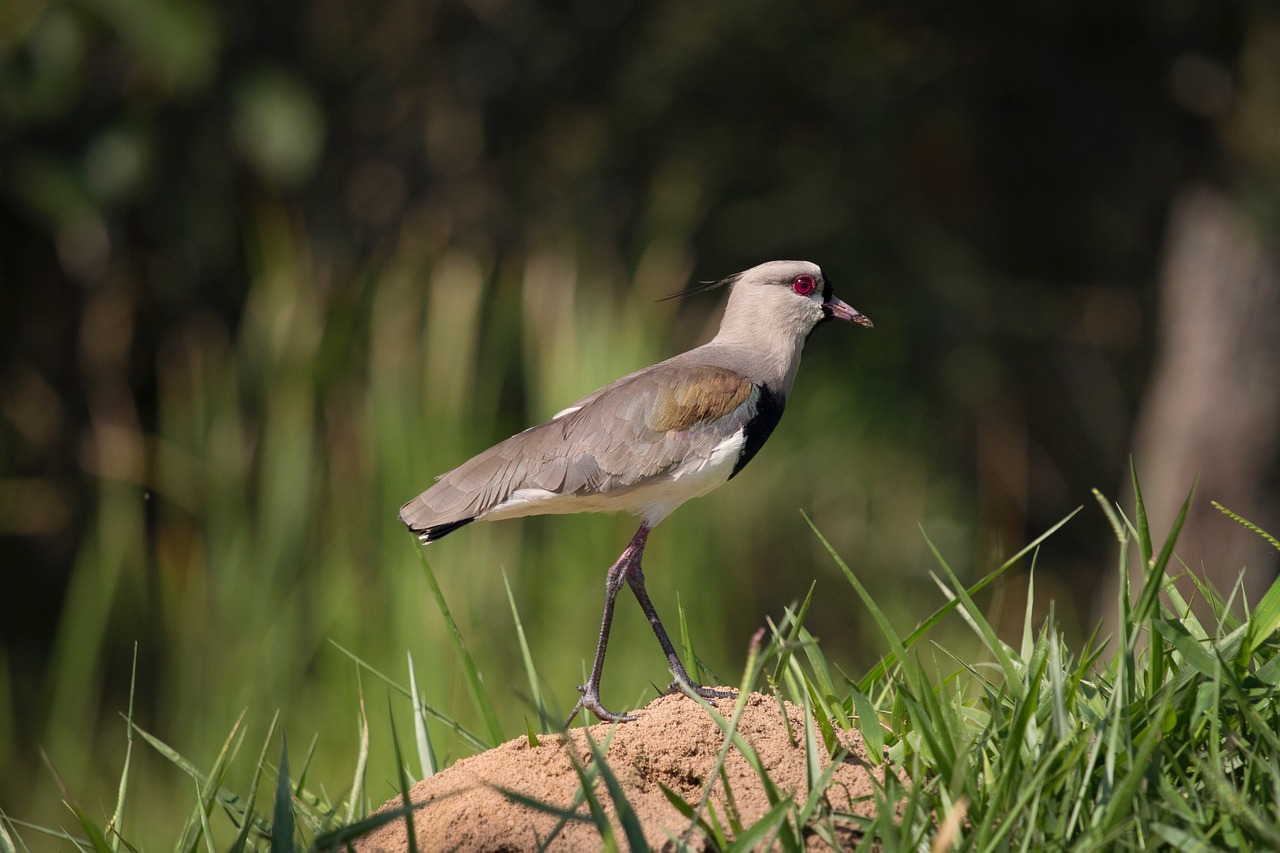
(1212, 405)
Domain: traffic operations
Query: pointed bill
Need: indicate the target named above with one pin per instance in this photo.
(838, 309)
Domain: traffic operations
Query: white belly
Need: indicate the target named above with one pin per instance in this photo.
(652, 500)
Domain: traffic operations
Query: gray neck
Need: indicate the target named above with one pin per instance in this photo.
(766, 360)
(763, 333)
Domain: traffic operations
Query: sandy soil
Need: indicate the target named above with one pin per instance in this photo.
(674, 743)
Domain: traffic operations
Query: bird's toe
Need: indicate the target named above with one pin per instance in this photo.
(591, 701)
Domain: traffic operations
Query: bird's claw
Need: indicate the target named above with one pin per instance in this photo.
(679, 686)
(591, 701)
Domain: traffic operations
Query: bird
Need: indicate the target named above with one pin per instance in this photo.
(646, 443)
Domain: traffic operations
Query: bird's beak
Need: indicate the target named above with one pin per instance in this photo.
(837, 309)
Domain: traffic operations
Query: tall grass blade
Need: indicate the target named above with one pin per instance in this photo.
(878, 671)
(282, 811)
(973, 615)
(246, 824)
(733, 740)
(96, 840)
(299, 785)
(754, 837)
(479, 696)
(211, 785)
(362, 760)
(457, 728)
(586, 784)
(686, 810)
(869, 724)
(116, 825)
(411, 835)
(896, 646)
(686, 642)
(530, 671)
(622, 807)
(1145, 544)
(426, 755)
(7, 842)
(793, 634)
(1026, 650)
(206, 831)
(1154, 570)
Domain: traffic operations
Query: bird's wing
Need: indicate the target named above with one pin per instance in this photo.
(643, 426)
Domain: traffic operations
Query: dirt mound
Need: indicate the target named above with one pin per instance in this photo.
(674, 743)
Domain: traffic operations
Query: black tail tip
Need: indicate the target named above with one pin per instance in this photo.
(430, 534)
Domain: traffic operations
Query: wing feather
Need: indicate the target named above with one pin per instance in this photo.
(643, 426)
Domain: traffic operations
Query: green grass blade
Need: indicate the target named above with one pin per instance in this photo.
(973, 616)
(7, 844)
(566, 815)
(793, 634)
(1155, 569)
(246, 825)
(869, 724)
(337, 839)
(116, 826)
(426, 755)
(753, 837)
(1192, 652)
(96, 840)
(1025, 650)
(687, 811)
(1140, 511)
(622, 807)
(479, 696)
(733, 740)
(686, 642)
(206, 831)
(896, 646)
(586, 784)
(300, 785)
(211, 784)
(475, 740)
(282, 811)
(411, 835)
(877, 672)
(362, 761)
(530, 671)
(823, 685)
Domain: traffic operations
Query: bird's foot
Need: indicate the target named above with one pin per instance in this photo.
(591, 701)
(679, 686)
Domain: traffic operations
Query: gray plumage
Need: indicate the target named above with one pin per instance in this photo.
(651, 440)
(596, 454)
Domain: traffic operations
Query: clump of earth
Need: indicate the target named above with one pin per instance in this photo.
(675, 742)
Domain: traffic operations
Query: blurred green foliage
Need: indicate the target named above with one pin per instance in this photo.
(268, 269)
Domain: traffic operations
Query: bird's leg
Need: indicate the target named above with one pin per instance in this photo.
(613, 582)
(635, 579)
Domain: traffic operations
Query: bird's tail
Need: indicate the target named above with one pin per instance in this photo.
(428, 532)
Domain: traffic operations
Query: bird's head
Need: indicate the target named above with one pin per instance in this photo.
(782, 298)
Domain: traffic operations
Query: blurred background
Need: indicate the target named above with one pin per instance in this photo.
(267, 269)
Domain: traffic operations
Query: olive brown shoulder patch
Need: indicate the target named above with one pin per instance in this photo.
(702, 395)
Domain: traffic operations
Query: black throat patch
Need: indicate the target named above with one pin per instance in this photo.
(756, 432)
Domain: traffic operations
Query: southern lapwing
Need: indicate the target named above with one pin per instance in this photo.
(651, 440)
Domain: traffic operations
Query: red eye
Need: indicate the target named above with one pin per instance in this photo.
(803, 284)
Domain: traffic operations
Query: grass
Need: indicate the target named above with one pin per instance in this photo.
(1164, 737)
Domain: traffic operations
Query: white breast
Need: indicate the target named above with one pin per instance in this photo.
(653, 500)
